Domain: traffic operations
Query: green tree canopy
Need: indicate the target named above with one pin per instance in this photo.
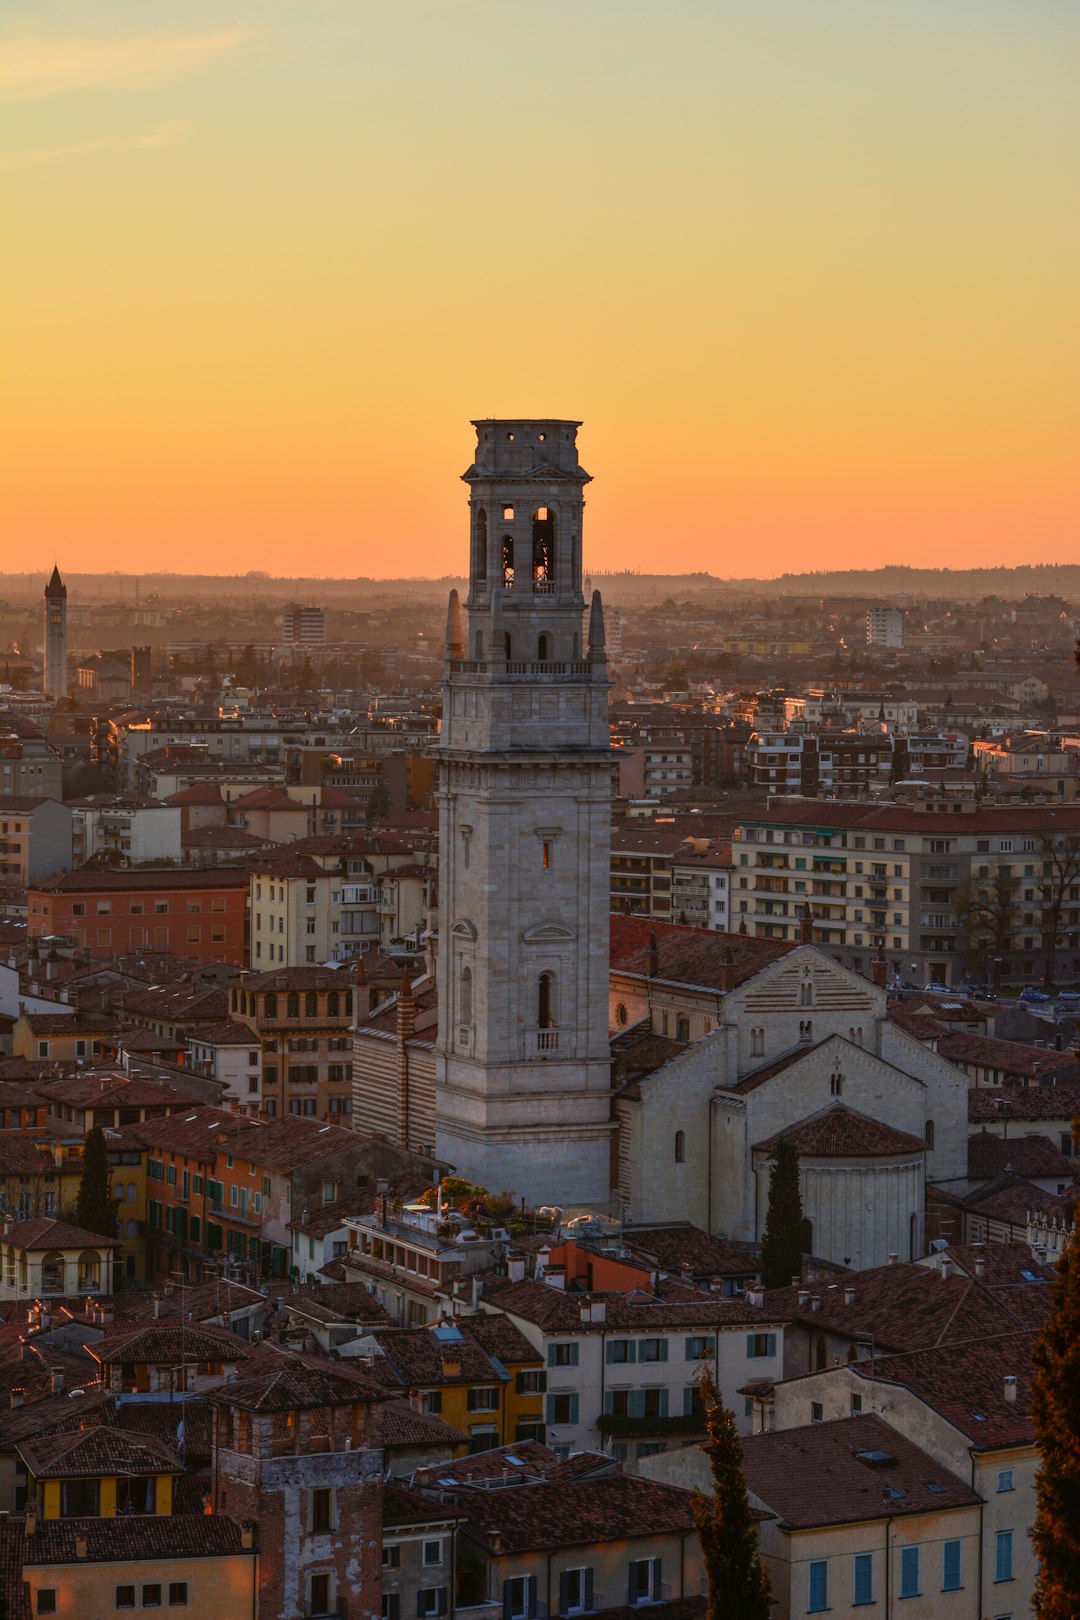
(738, 1582)
(781, 1248)
(95, 1206)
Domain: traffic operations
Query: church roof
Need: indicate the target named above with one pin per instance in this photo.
(838, 1132)
(692, 956)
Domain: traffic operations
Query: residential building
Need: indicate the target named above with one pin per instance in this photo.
(885, 627)
(30, 767)
(199, 913)
(302, 626)
(301, 1020)
(35, 839)
(137, 830)
(332, 898)
(47, 1257)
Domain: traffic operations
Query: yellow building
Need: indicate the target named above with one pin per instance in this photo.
(480, 1375)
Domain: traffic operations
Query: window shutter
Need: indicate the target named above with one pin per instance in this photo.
(663, 1403)
(519, 1383)
(631, 1350)
(551, 1355)
(637, 1403)
(632, 1585)
(443, 1602)
(564, 1592)
(551, 1408)
(420, 1609)
(609, 1352)
(573, 1409)
(657, 1578)
(588, 1588)
(609, 1400)
(688, 1401)
(543, 1382)
(470, 1400)
(663, 1349)
(508, 1599)
(750, 1344)
(772, 1344)
(532, 1597)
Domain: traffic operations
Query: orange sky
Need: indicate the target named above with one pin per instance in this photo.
(807, 272)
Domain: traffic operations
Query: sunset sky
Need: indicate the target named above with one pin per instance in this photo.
(807, 270)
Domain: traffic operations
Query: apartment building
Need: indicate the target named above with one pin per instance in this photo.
(200, 913)
(29, 764)
(300, 1018)
(335, 897)
(35, 838)
(124, 825)
(892, 881)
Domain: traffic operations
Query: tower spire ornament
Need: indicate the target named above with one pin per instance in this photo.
(54, 640)
(523, 1059)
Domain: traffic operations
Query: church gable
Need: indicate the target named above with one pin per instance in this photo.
(807, 978)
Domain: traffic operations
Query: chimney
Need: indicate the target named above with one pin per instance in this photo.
(946, 1266)
(16, 1399)
(9, 1224)
(30, 1518)
(555, 1277)
(755, 1295)
(1010, 1388)
(726, 971)
(477, 1290)
(877, 969)
(406, 1008)
(849, 1296)
(81, 1548)
(815, 1302)
(654, 956)
(893, 1258)
(803, 1296)
(247, 1535)
(157, 1306)
(56, 1381)
(980, 1267)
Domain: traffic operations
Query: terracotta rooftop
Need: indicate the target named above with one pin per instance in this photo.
(43, 1232)
(169, 1344)
(397, 1426)
(679, 1247)
(965, 1383)
(1033, 1156)
(839, 1132)
(291, 1383)
(97, 1452)
(555, 1311)
(692, 956)
(574, 1512)
(846, 1472)
(142, 878)
(445, 1354)
(991, 1103)
(1008, 1057)
(148, 1538)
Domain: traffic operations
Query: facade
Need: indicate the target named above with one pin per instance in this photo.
(35, 838)
(47, 1257)
(134, 829)
(524, 815)
(54, 639)
(301, 1020)
(196, 913)
(303, 626)
(885, 627)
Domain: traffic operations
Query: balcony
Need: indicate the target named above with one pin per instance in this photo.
(545, 1041)
(619, 1424)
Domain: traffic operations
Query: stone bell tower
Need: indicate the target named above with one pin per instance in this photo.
(523, 1060)
(55, 637)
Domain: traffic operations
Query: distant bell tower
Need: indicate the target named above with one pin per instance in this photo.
(523, 1058)
(55, 639)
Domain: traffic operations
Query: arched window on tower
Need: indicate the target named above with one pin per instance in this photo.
(545, 1001)
(508, 560)
(930, 1133)
(479, 644)
(480, 563)
(807, 1235)
(543, 549)
(680, 1147)
(465, 998)
(682, 1029)
(542, 650)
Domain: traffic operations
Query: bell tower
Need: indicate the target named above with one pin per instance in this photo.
(55, 637)
(523, 1059)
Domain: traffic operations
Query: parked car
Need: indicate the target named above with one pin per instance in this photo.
(937, 990)
(1070, 997)
(1033, 996)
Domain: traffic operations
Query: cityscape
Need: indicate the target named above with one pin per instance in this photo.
(539, 954)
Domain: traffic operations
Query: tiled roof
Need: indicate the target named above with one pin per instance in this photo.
(838, 1132)
(556, 1311)
(330, 1302)
(169, 1344)
(992, 1103)
(14, 1593)
(149, 1538)
(965, 1383)
(160, 1420)
(142, 878)
(73, 1023)
(814, 1476)
(499, 1337)
(575, 1512)
(689, 955)
(94, 1453)
(418, 1357)
(227, 1033)
(1034, 1156)
(116, 1089)
(637, 1052)
(1009, 1057)
(397, 1426)
(680, 1247)
(19, 1156)
(1009, 1197)
(44, 1233)
(910, 1307)
(1003, 1265)
(300, 978)
(291, 1383)
(529, 1460)
(400, 1505)
(54, 1414)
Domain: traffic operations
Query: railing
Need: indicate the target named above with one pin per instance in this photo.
(543, 587)
(547, 1040)
(479, 666)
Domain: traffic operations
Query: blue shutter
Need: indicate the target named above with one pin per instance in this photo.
(688, 1400)
(750, 1350)
(573, 1409)
(819, 1586)
(531, 1597)
(637, 1403)
(950, 1566)
(909, 1572)
(663, 1403)
(551, 1355)
(551, 1408)
(508, 1599)
(564, 1592)
(588, 1589)
(663, 1349)
(864, 1578)
(1003, 1549)
(609, 1401)
(657, 1579)
(772, 1344)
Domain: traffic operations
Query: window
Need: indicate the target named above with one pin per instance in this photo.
(391, 1557)
(431, 1600)
(136, 1494)
(645, 1581)
(817, 1597)
(1005, 1479)
(483, 1398)
(432, 1552)
(817, 1412)
(391, 1606)
(46, 1599)
(862, 1585)
(151, 1595)
(856, 1405)
(124, 1597)
(562, 1408)
(321, 1512)
(621, 1352)
(575, 1591)
(652, 1350)
(519, 1597)
(545, 1001)
(319, 1593)
(909, 1572)
(562, 1355)
(1003, 1556)
(530, 1381)
(760, 1344)
(697, 1347)
(79, 1498)
(950, 1566)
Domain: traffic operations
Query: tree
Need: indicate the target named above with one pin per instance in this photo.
(1055, 1410)
(738, 1582)
(781, 1247)
(95, 1206)
(986, 912)
(1060, 880)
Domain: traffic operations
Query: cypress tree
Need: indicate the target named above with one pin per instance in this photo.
(1055, 1409)
(781, 1248)
(95, 1206)
(738, 1582)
